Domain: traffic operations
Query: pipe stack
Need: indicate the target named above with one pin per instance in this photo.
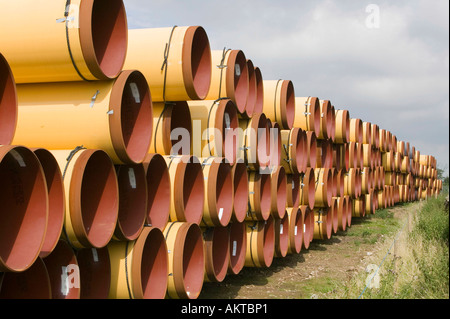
(142, 163)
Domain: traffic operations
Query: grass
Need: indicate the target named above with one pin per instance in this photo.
(417, 265)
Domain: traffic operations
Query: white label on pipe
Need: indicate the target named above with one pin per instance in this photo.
(227, 120)
(281, 229)
(293, 184)
(135, 92)
(233, 253)
(18, 158)
(304, 228)
(132, 177)
(238, 69)
(220, 213)
(95, 254)
(295, 231)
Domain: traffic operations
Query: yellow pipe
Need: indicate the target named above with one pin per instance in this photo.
(8, 103)
(254, 142)
(139, 268)
(238, 247)
(278, 192)
(49, 42)
(356, 130)
(260, 243)
(322, 223)
(259, 199)
(169, 120)
(239, 177)
(307, 114)
(359, 207)
(307, 190)
(308, 225)
(325, 120)
(95, 273)
(25, 204)
(229, 77)
(187, 188)
(367, 132)
(296, 225)
(341, 213)
(215, 126)
(292, 190)
(114, 116)
(279, 102)
(186, 260)
(311, 147)
(218, 187)
(281, 227)
(342, 127)
(323, 188)
(216, 252)
(176, 61)
(91, 195)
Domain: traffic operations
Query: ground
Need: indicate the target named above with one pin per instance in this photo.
(316, 272)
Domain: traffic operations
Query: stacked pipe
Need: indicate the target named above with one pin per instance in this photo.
(144, 163)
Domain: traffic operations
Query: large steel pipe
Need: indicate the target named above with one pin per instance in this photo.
(175, 60)
(356, 130)
(239, 176)
(229, 77)
(259, 103)
(186, 188)
(308, 188)
(218, 186)
(95, 273)
(296, 225)
(311, 149)
(281, 226)
(114, 116)
(217, 253)
(57, 41)
(254, 142)
(294, 150)
(24, 216)
(33, 283)
(279, 102)
(307, 114)
(325, 120)
(56, 199)
(323, 187)
(214, 125)
(132, 183)
(63, 271)
(139, 268)
(260, 243)
(292, 190)
(91, 195)
(158, 190)
(278, 193)
(186, 260)
(8, 103)
(323, 226)
(308, 225)
(238, 246)
(342, 134)
(260, 196)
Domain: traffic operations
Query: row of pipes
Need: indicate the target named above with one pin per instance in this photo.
(140, 163)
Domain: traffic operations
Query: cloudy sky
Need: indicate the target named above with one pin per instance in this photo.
(387, 62)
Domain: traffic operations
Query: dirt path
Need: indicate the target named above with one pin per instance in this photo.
(315, 272)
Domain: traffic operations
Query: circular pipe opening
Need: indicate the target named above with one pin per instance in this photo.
(296, 229)
(196, 63)
(240, 188)
(23, 221)
(33, 283)
(61, 264)
(310, 179)
(265, 193)
(259, 103)
(293, 190)
(312, 148)
(94, 198)
(103, 37)
(56, 199)
(132, 183)
(269, 241)
(315, 116)
(8, 103)
(238, 246)
(335, 216)
(220, 252)
(95, 273)
(223, 189)
(176, 118)
(275, 144)
(153, 264)
(282, 236)
(287, 105)
(227, 122)
(237, 79)
(193, 262)
(252, 90)
(158, 191)
(189, 188)
(131, 118)
(307, 225)
(279, 192)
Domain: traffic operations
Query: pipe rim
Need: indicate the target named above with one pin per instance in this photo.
(293, 184)
(132, 183)
(131, 121)
(217, 248)
(21, 166)
(8, 103)
(296, 228)
(103, 37)
(252, 90)
(279, 192)
(220, 192)
(227, 122)
(259, 103)
(93, 209)
(56, 199)
(282, 236)
(238, 246)
(196, 62)
(287, 104)
(237, 85)
(36, 275)
(241, 189)
(181, 119)
(312, 148)
(95, 273)
(150, 265)
(189, 190)
(62, 256)
(269, 241)
(158, 190)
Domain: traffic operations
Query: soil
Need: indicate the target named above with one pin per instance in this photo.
(309, 274)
